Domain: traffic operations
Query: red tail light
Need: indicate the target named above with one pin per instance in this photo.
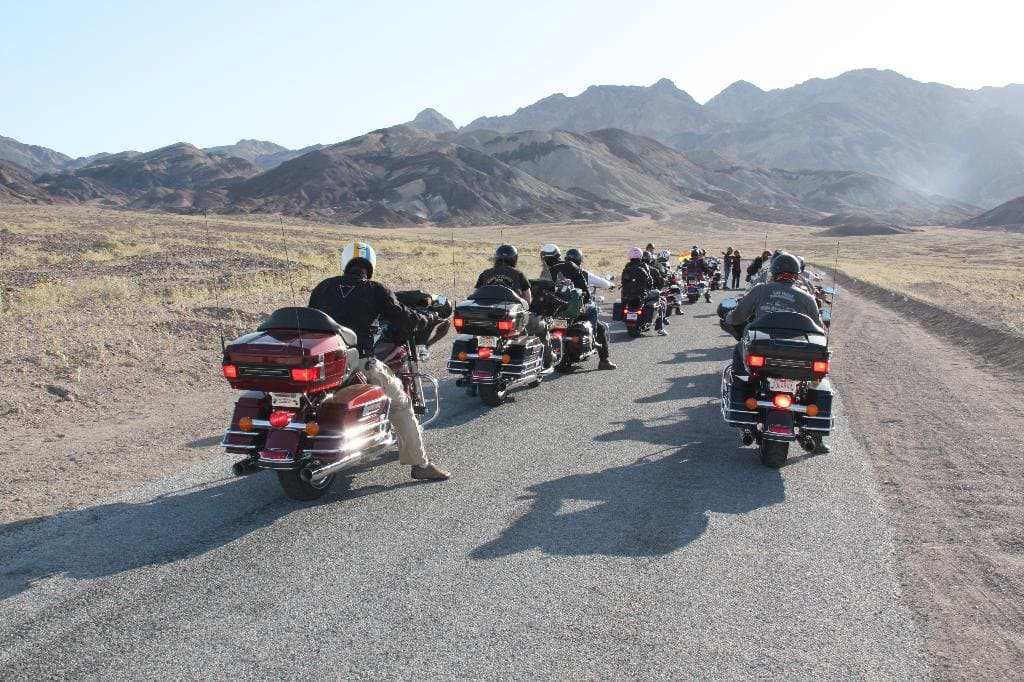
(820, 367)
(305, 373)
(557, 333)
(230, 371)
(280, 418)
(485, 353)
(458, 322)
(506, 325)
(755, 361)
(783, 401)
(625, 311)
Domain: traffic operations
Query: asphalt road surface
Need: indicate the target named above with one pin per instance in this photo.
(603, 525)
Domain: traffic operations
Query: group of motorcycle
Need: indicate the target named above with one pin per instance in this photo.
(307, 414)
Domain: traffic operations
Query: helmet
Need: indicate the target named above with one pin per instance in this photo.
(506, 254)
(359, 253)
(785, 267)
(574, 255)
(549, 251)
(664, 254)
(695, 253)
(647, 257)
(635, 252)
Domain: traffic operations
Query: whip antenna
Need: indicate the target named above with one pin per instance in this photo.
(291, 281)
(835, 290)
(216, 287)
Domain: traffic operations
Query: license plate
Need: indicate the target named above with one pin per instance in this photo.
(783, 385)
(487, 341)
(631, 316)
(285, 399)
(560, 323)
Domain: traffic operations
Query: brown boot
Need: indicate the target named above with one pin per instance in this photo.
(606, 364)
(430, 472)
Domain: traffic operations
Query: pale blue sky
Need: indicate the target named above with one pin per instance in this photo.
(84, 77)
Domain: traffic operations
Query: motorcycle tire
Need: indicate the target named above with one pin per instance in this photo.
(493, 395)
(298, 489)
(774, 453)
(634, 332)
(564, 365)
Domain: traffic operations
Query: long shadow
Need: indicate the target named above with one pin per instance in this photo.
(112, 538)
(653, 506)
(717, 353)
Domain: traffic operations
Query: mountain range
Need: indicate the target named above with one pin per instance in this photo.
(868, 148)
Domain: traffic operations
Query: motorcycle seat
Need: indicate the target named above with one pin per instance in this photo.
(791, 321)
(308, 320)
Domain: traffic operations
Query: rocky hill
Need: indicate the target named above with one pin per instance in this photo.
(260, 153)
(1006, 216)
(432, 121)
(16, 186)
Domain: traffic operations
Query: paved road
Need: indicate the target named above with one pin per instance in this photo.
(605, 525)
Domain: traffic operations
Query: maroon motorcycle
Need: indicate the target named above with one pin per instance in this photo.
(304, 411)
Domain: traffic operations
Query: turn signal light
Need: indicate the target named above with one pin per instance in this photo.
(755, 361)
(305, 373)
(820, 367)
(505, 359)
(484, 353)
(506, 325)
(462, 355)
(280, 418)
(245, 423)
(312, 428)
(751, 404)
(812, 410)
(783, 401)
(230, 371)
(458, 322)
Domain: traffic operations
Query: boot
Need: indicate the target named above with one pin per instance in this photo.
(822, 448)
(606, 364)
(430, 472)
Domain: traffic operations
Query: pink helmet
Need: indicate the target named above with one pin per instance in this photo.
(635, 252)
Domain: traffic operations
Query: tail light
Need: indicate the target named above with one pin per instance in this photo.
(280, 418)
(306, 374)
(557, 333)
(506, 325)
(230, 371)
(755, 361)
(458, 322)
(484, 353)
(783, 401)
(820, 367)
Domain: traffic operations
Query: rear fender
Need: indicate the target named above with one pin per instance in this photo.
(486, 371)
(282, 447)
(778, 425)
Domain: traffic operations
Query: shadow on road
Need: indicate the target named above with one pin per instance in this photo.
(654, 505)
(108, 539)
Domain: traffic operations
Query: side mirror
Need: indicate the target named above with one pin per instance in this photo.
(440, 300)
(826, 317)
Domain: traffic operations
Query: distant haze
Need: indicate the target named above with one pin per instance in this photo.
(84, 78)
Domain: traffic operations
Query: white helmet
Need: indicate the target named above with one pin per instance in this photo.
(360, 250)
(664, 254)
(549, 250)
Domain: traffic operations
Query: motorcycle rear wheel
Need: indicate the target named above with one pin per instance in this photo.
(633, 332)
(774, 453)
(493, 395)
(298, 489)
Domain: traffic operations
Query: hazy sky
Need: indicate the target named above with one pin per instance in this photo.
(84, 77)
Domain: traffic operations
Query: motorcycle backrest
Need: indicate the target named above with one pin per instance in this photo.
(794, 321)
(495, 293)
(309, 320)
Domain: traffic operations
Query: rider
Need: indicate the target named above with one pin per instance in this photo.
(355, 301)
(660, 282)
(695, 264)
(637, 283)
(549, 256)
(662, 263)
(572, 269)
(504, 273)
(782, 294)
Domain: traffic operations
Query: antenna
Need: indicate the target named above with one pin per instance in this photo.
(453, 263)
(835, 290)
(216, 287)
(291, 281)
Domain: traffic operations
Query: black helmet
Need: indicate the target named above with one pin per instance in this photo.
(785, 267)
(695, 253)
(574, 255)
(506, 254)
(647, 257)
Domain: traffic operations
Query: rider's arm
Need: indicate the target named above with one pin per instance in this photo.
(403, 318)
(599, 282)
(745, 308)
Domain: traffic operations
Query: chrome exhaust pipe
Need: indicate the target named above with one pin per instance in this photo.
(747, 437)
(243, 467)
(314, 475)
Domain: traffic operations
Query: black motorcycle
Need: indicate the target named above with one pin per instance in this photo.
(784, 394)
(493, 353)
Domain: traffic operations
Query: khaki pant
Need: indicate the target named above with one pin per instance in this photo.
(403, 419)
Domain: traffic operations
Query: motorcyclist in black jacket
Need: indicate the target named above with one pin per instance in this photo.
(572, 269)
(504, 273)
(660, 281)
(355, 301)
(782, 294)
(637, 284)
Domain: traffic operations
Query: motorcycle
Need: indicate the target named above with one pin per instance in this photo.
(673, 295)
(304, 411)
(639, 315)
(572, 337)
(492, 352)
(712, 269)
(697, 286)
(786, 394)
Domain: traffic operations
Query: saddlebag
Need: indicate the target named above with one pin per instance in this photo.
(491, 311)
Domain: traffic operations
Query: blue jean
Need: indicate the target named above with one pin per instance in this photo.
(600, 330)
